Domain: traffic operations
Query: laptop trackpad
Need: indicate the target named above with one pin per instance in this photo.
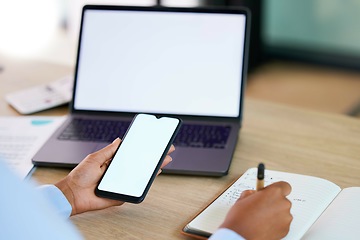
(100, 146)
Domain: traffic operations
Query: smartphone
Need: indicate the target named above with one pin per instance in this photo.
(138, 158)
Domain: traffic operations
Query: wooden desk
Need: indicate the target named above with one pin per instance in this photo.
(284, 138)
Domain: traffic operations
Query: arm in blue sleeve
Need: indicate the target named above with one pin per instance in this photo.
(57, 199)
(224, 233)
(27, 214)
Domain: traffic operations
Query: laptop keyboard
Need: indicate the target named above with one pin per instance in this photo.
(94, 130)
(202, 136)
(190, 135)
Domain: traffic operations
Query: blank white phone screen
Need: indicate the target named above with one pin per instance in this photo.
(139, 153)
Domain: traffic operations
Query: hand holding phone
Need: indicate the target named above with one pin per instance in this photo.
(138, 158)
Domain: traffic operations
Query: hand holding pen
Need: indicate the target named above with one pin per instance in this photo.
(261, 214)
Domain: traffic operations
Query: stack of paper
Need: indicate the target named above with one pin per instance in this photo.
(21, 137)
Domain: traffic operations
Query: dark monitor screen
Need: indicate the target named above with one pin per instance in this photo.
(324, 30)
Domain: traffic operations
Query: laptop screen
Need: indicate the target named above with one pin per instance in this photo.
(186, 63)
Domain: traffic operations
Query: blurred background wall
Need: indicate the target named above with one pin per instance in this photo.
(303, 53)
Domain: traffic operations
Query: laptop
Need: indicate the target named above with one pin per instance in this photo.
(183, 62)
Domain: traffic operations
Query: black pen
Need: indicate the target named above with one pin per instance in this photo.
(260, 177)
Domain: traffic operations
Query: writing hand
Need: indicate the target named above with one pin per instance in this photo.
(263, 214)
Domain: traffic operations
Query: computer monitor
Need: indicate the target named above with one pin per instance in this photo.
(316, 31)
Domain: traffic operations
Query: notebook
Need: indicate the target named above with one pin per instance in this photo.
(320, 208)
(183, 62)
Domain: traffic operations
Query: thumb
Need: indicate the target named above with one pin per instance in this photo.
(105, 154)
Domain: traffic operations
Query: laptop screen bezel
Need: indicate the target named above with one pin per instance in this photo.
(242, 11)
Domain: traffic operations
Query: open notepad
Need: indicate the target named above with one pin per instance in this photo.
(321, 210)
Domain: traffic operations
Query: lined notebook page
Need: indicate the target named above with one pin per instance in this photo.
(310, 196)
(341, 220)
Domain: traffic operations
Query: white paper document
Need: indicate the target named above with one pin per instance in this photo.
(21, 137)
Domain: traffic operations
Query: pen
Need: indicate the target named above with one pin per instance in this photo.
(260, 177)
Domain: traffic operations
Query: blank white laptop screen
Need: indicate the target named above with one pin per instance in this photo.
(161, 62)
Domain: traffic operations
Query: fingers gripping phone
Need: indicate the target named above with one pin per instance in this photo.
(138, 158)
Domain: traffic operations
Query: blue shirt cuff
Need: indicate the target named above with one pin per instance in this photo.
(224, 233)
(57, 199)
